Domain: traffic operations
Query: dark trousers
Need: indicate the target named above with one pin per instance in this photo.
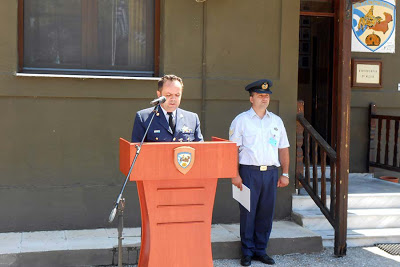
(256, 225)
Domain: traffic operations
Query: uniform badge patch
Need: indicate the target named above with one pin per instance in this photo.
(157, 131)
(264, 86)
(186, 129)
(184, 158)
(272, 141)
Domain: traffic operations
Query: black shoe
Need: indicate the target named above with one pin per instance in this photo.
(265, 259)
(245, 261)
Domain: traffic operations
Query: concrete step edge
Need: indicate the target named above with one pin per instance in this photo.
(106, 238)
(320, 223)
(280, 243)
(316, 214)
(351, 195)
(362, 240)
(108, 257)
(362, 233)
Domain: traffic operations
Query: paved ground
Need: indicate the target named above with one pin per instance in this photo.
(356, 257)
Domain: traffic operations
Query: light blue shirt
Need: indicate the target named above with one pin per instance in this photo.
(258, 138)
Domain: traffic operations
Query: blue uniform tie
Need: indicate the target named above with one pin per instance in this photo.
(171, 122)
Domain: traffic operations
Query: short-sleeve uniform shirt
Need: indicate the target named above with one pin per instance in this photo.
(258, 139)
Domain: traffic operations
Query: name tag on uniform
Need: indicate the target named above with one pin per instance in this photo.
(273, 141)
(156, 131)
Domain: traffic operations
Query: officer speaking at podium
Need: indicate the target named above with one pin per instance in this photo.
(171, 124)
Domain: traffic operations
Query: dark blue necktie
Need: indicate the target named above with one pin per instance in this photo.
(171, 121)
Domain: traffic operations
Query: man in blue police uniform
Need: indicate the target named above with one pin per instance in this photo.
(171, 124)
(263, 148)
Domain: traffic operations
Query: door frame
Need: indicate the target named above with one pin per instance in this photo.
(333, 97)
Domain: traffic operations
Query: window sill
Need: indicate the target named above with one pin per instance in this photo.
(19, 74)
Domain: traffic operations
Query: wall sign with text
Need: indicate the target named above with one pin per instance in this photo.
(374, 26)
(366, 73)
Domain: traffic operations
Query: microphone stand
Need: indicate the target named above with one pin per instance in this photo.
(120, 202)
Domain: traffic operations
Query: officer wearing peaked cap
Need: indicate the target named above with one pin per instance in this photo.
(171, 124)
(263, 148)
(261, 86)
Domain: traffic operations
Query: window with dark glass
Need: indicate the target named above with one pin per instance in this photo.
(100, 37)
(317, 5)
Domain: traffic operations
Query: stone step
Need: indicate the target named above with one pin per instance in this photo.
(362, 237)
(356, 219)
(355, 201)
(99, 246)
(319, 172)
(328, 173)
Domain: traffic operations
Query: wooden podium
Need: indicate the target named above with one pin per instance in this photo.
(176, 208)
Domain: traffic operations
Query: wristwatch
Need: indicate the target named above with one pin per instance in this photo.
(285, 174)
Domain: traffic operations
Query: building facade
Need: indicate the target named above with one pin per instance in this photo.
(61, 120)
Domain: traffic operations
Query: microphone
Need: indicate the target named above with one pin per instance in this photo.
(159, 100)
(112, 215)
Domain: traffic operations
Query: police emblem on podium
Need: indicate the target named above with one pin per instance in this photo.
(184, 158)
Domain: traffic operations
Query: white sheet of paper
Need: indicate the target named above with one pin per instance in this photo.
(243, 197)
